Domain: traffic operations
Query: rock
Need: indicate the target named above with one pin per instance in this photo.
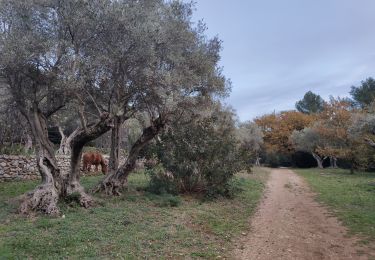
(15, 163)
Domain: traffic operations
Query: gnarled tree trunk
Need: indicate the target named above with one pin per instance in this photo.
(115, 182)
(45, 197)
(82, 137)
(319, 160)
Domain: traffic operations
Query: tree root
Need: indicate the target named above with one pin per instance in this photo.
(111, 187)
(43, 199)
(83, 198)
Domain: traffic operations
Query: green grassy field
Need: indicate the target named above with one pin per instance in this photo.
(352, 197)
(135, 225)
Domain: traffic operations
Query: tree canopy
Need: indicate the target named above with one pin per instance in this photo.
(105, 62)
(364, 94)
(310, 104)
(277, 129)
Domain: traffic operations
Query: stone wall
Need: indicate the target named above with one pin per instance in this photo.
(16, 167)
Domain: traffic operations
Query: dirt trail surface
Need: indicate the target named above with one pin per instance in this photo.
(290, 224)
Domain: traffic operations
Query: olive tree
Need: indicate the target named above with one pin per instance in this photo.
(31, 54)
(61, 62)
(106, 62)
(250, 136)
(308, 140)
(180, 74)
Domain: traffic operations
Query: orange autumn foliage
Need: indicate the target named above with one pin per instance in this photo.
(277, 129)
(333, 125)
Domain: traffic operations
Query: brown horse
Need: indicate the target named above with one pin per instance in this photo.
(94, 158)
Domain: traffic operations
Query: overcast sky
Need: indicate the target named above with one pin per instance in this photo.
(276, 50)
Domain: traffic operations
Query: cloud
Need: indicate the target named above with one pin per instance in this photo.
(275, 51)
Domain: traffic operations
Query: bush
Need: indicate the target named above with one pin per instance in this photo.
(201, 156)
(161, 182)
(232, 188)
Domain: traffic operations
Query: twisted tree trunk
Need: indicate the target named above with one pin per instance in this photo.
(319, 160)
(113, 183)
(45, 197)
(82, 137)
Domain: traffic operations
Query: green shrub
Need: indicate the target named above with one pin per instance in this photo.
(232, 188)
(202, 156)
(161, 182)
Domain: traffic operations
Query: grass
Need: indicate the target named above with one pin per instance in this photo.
(352, 197)
(135, 225)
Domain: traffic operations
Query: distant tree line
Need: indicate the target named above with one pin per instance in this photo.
(337, 132)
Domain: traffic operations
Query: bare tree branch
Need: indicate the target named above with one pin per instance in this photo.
(94, 102)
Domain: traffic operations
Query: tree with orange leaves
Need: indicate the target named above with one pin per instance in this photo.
(277, 129)
(333, 126)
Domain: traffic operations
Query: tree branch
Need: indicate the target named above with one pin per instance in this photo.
(94, 102)
(82, 117)
(53, 110)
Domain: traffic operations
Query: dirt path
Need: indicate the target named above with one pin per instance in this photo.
(290, 224)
